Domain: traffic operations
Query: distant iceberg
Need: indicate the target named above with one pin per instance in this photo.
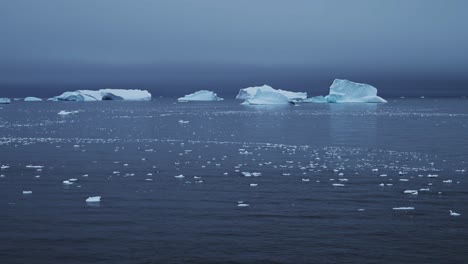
(32, 99)
(202, 95)
(251, 92)
(103, 95)
(5, 101)
(266, 97)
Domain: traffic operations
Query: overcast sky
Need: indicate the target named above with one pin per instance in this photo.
(175, 46)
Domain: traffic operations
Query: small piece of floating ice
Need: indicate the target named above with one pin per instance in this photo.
(32, 99)
(202, 95)
(183, 122)
(67, 182)
(64, 113)
(412, 192)
(104, 95)
(403, 208)
(179, 176)
(93, 199)
(27, 192)
(243, 205)
(452, 213)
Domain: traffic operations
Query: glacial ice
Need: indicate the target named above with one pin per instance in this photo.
(344, 91)
(103, 95)
(93, 199)
(64, 113)
(250, 92)
(202, 95)
(265, 97)
(32, 99)
(5, 101)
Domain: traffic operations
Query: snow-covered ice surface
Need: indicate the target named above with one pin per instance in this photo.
(103, 95)
(324, 179)
(250, 92)
(202, 95)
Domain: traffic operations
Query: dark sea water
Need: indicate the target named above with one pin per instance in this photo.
(319, 170)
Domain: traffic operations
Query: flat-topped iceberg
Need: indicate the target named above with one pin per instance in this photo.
(5, 101)
(32, 99)
(202, 95)
(250, 92)
(344, 91)
(265, 97)
(104, 94)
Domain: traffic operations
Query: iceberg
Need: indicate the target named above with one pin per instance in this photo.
(103, 95)
(344, 91)
(5, 101)
(32, 99)
(202, 95)
(265, 97)
(315, 99)
(250, 92)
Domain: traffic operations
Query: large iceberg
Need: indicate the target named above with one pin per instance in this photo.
(202, 95)
(104, 94)
(5, 101)
(250, 92)
(344, 91)
(32, 99)
(266, 97)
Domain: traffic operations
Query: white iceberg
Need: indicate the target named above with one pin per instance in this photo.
(32, 99)
(5, 101)
(315, 99)
(267, 98)
(202, 95)
(64, 113)
(344, 91)
(250, 92)
(93, 199)
(103, 95)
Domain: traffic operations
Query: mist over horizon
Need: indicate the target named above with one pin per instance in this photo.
(171, 48)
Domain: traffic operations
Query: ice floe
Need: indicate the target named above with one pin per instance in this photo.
(202, 95)
(103, 95)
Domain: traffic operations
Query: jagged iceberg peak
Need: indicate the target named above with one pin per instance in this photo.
(5, 101)
(202, 95)
(104, 94)
(267, 97)
(250, 92)
(344, 91)
(32, 99)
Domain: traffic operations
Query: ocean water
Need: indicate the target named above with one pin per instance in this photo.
(322, 182)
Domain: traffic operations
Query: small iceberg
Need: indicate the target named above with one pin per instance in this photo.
(64, 113)
(267, 98)
(104, 95)
(27, 192)
(5, 101)
(344, 91)
(93, 199)
(32, 99)
(202, 95)
(403, 208)
(251, 92)
(452, 213)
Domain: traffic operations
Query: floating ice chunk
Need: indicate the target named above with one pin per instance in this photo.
(412, 192)
(34, 166)
(104, 94)
(452, 213)
(4, 167)
(67, 182)
(243, 205)
(5, 101)
(253, 184)
(32, 99)
(27, 192)
(267, 98)
(315, 99)
(93, 199)
(344, 91)
(305, 180)
(432, 175)
(250, 92)
(183, 122)
(447, 181)
(246, 174)
(64, 113)
(256, 174)
(179, 176)
(403, 208)
(338, 184)
(202, 95)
